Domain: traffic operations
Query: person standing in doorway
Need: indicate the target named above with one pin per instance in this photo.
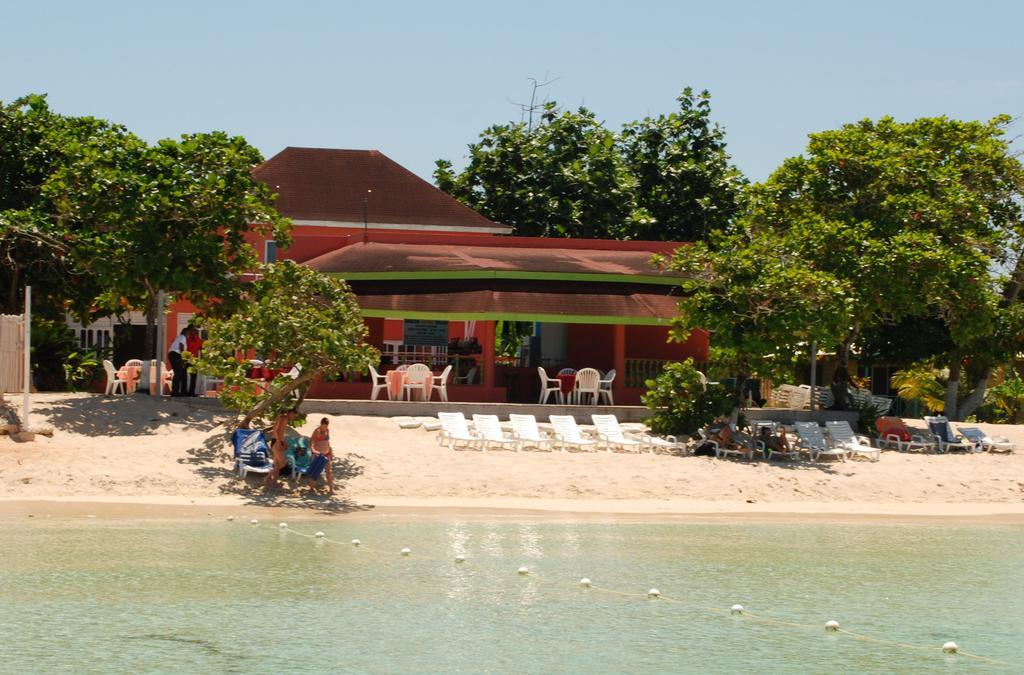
(194, 345)
(179, 384)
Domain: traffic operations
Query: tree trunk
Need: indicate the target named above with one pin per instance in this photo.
(12, 293)
(840, 379)
(277, 397)
(952, 388)
(152, 349)
(737, 392)
(977, 396)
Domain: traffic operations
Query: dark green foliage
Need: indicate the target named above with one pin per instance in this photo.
(58, 363)
(681, 403)
(665, 178)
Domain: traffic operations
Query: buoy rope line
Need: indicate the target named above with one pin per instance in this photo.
(652, 594)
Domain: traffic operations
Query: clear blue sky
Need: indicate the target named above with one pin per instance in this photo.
(421, 80)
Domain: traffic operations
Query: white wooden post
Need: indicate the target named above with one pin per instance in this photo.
(27, 380)
(814, 372)
(161, 339)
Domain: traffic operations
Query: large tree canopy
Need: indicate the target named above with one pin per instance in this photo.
(894, 224)
(294, 317)
(664, 178)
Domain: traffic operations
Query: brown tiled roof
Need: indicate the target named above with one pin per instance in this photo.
(386, 257)
(330, 185)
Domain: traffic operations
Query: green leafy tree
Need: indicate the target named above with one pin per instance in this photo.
(563, 178)
(680, 401)
(170, 217)
(664, 178)
(293, 317)
(685, 185)
(36, 247)
(908, 221)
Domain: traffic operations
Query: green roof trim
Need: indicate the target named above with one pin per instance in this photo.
(502, 274)
(523, 316)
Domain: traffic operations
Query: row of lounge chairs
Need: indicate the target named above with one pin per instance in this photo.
(566, 435)
(810, 440)
(940, 437)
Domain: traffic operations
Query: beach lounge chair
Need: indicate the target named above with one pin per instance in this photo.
(549, 386)
(528, 435)
(454, 431)
(252, 454)
(735, 447)
(986, 442)
(568, 434)
(843, 435)
(894, 433)
(488, 428)
(947, 439)
(770, 453)
(812, 440)
(612, 436)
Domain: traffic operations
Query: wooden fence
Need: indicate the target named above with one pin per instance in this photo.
(12, 354)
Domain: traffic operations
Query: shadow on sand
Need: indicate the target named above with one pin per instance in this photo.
(134, 415)
(213, 463)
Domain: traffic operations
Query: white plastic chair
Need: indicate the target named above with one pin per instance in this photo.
(567, 371)
(113, 382)
(610, 433)
(549, 386)
(842, 433)
(528, 434)
(605, 384)
(416, 377)
(810, 438)
(379, 383)
(441, 384)
(588, 383)
(468, 378)
(568, 434)
(488, 428)
(454, 431)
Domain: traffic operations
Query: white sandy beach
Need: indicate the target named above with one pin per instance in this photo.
(135, 456)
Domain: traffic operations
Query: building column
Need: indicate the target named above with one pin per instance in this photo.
(619, 360)
(488, 353)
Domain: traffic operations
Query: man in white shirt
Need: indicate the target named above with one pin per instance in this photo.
(179, 385)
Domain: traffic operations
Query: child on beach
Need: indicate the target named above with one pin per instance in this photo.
(320, 440)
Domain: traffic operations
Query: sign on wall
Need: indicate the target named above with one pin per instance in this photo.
(432, 333)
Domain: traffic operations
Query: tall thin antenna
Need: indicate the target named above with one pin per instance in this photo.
(527, 109)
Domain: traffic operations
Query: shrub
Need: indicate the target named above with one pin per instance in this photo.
(680, 401)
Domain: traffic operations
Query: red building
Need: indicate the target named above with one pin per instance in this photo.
(434, 278)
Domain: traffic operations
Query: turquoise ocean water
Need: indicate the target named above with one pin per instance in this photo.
(155, 597)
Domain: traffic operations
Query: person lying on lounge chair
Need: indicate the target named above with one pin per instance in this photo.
(720, 432)
(772, 442)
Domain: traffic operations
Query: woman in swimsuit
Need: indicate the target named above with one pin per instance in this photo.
(320, 440)
(277, 446)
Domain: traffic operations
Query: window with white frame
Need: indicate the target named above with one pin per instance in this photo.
(270, 251)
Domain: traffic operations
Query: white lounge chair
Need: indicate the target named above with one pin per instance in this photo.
(771, 453)
(986, 442)
(569, 435)
(454, 431)
(549, 386)
(811, 439)
(440, 384)
(588, 386)
(379, 382)
(842, 433)
(945, 438)
(612, 436)
(526, 432)
(488, 428)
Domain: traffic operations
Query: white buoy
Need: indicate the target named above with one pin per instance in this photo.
(231, 517)
(654, 593)
(524, 570)
(832, 626)
(950, 647)
(585, 582)
(319, 535)
(282, 525)
(737, 609)
(355, 542)
(254, 522)
(406, 551)
(460, 559)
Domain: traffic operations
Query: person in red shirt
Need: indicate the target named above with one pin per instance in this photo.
(194, 345)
